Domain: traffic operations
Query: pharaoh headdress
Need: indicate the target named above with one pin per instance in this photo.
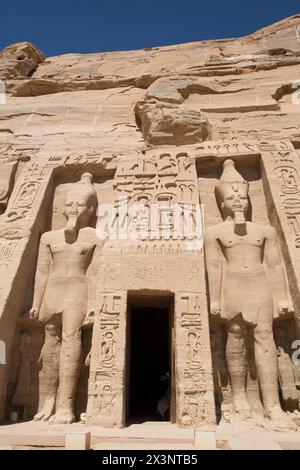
(231, 180)
(86, 188)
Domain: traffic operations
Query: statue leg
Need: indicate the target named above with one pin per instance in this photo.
(267, 370)
(236, 363)
(48, 376)
(70, 363)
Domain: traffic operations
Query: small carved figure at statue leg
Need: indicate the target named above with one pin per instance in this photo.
(237, 367)
(267, 369)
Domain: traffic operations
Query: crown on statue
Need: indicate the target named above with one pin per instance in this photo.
(231, 181)
(86, 188)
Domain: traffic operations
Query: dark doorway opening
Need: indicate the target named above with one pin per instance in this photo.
(149, 362)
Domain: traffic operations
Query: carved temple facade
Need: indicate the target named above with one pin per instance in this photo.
(162, 274)
(151, 294)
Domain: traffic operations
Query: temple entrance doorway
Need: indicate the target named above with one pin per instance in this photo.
(150, 363)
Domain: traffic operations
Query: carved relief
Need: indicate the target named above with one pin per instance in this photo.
(156, 199)
(195, 408)
(7, 174)
(7, 250)
(196, 403)
(106, 401)
(15, 222)
(107, 361)
(289, 179)
(289, 184)
(287, 380)
(236, 147)
(22, 398)
(191, 321)
(108, 350)
(168, 179)
(27, 194)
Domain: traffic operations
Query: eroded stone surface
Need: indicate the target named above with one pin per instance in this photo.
(19, 60)
(154, 128)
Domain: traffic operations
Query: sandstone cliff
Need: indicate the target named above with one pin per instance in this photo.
(233, 88)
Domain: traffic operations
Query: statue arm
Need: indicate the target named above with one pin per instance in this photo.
(214, 270)
(276, 271)
(40, 361)
(41, 277)
(93, 271)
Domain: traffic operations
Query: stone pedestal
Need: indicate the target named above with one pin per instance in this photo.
(78, 441)
(205, 439)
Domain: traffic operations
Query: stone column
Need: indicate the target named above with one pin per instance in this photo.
(281, 179)
(106, 394)
(195, 404)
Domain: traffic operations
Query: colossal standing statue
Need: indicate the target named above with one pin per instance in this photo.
(247, 288)
(61, 300)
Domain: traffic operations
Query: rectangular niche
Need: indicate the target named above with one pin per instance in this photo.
(50, 217)
(209, 171)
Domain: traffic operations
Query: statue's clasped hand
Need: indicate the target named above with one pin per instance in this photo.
(215, 310)
(33, 313)
(30, 316)
(89, 318)
(285, 308)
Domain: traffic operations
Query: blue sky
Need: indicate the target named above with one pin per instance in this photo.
(58, 27)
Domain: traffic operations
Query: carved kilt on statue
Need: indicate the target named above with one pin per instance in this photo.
(257, 307)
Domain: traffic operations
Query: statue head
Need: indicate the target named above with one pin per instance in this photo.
(81, 204)
(232, 193)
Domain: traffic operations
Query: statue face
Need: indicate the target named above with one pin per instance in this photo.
(235, 202)
(77, 206)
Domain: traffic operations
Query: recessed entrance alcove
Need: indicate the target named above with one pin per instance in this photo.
(149, 352)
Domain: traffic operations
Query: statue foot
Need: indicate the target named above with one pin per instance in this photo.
(63, 416)
(47, 410)
(242, 408)
(43, 415)
(279, 420)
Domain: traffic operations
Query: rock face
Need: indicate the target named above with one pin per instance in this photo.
(106, 314)
(164, 124)
(19, 60)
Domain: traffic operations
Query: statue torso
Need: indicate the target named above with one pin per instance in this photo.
(67, 285)
(71, 260)
(243, 252)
